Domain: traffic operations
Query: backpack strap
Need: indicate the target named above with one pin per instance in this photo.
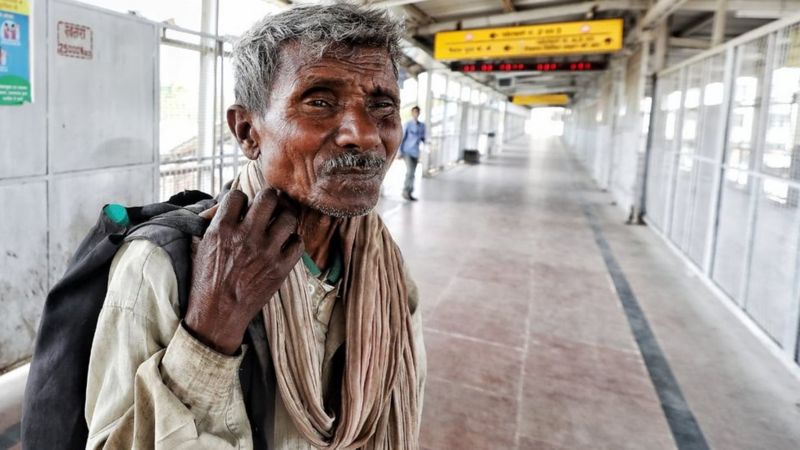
(173, 231)
(188, 198)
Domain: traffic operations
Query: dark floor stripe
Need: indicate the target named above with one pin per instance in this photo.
(685, 429)
(10, 437)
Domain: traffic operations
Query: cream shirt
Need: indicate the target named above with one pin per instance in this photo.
(151, 385)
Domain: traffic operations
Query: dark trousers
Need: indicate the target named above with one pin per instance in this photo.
(411, 171)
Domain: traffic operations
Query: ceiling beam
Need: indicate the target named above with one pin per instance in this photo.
(696, 25)
(743, 8)
(538, 14)
(390, 3)
(417, 15)
(720, 22)
(534, 3)
(689, 43)
(658, 12)
(786, 6)
(664, 8)
(767, 14)
(655, 17)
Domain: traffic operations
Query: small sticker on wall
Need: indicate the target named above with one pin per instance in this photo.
(75, 41)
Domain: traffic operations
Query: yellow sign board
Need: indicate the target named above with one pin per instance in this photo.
(566, 38)
(541, 100)
(16, 6)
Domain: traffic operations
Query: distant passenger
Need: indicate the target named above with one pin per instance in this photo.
(413, 135)
(296, 276)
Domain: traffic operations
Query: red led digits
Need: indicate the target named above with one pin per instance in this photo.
(548, 67)
(578, 66)
(507, 67)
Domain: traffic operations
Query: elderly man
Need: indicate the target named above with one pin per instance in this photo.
(295, 275)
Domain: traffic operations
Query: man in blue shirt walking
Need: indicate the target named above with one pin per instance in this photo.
(413, 134)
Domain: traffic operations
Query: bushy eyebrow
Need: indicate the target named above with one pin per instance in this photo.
(381, 92)
(314, 84)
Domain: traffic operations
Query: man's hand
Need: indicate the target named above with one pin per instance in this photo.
(241, 262)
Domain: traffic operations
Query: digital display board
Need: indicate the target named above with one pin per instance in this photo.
(580, 66)
(550, 39)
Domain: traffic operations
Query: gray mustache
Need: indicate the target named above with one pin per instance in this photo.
(353, 161)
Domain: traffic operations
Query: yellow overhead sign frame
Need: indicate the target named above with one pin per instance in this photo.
(541, 100)
(565, 38)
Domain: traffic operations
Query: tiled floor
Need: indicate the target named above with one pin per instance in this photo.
(528, 345)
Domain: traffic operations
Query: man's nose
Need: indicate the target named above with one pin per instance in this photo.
(358, 130)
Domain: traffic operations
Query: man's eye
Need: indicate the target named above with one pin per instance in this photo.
(383, 105)
(320, 103)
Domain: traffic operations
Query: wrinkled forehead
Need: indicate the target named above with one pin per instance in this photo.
(296, 60)
(359, 68)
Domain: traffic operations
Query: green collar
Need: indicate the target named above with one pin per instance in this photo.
(334, 273)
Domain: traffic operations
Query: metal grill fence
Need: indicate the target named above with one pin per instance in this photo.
(723, 175)
(727, 155)
(196, 149)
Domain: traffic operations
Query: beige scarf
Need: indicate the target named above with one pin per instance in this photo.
(379, 398)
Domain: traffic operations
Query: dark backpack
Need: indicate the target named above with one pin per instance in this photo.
(55, 396)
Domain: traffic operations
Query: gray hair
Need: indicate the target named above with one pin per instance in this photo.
(318, 29)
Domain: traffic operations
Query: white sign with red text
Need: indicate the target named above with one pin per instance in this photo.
(75, 41)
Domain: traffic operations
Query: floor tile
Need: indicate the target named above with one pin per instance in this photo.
(457, 418)
(506, 260)
(474, 363)
(480, 319)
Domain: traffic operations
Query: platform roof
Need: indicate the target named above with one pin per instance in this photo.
(689, 23)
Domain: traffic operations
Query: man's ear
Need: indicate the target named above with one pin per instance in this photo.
(240, 122)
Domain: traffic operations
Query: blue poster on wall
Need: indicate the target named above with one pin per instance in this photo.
(15, 52)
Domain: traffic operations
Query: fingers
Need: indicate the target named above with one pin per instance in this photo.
(284, 226)
(293, 248)
(262, 210)
(209, 213)
(230, 209)
(271, 221)
(286, 202)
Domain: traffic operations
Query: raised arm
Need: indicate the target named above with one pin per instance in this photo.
(158, 382)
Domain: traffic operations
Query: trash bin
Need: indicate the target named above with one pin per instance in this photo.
(472, 156)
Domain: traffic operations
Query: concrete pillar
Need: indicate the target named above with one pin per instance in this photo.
(427, 96)
(660, 47)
